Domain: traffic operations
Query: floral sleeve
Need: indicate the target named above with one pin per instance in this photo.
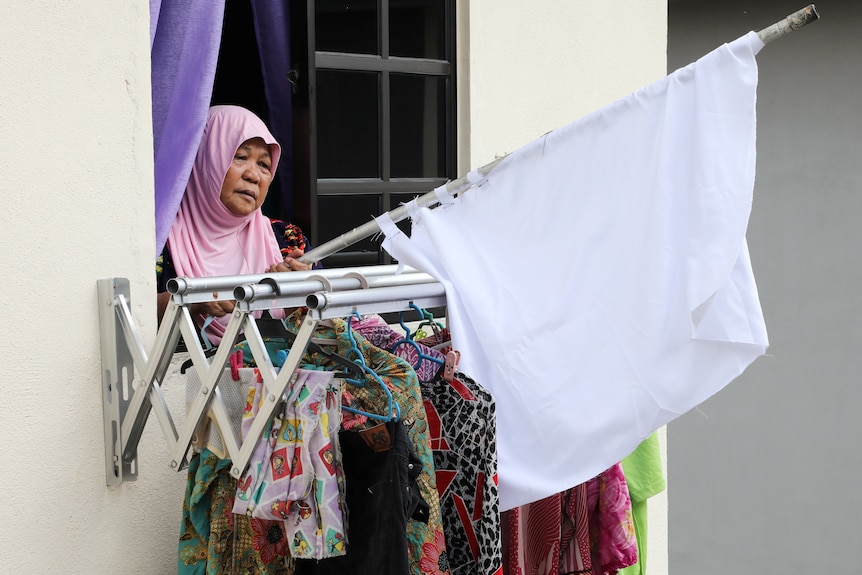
(289, 237)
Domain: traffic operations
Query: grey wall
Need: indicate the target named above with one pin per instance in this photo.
(763, 477)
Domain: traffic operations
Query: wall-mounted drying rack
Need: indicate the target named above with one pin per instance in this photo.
(131, 379)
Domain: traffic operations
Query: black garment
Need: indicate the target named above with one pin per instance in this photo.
(381, 495)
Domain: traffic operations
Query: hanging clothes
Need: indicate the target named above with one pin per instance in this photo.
(531, 538)
(379, 334)
(639, 302)
(575, 552)
(295, 473)
(612, 530)
(233, 395)
(382, 496)
(426, 542)
(215, 541)
(645, 478)
(585, 530)
(462, 422)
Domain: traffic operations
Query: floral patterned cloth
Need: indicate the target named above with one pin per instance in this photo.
(214, 541)
(612, 530)
(426, 542)
(462, 420)
(295, 472)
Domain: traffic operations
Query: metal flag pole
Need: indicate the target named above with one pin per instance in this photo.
(781, 28)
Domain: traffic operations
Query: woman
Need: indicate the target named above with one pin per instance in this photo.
(219, 229)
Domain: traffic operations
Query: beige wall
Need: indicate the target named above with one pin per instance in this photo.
(76, 149)
(535, 66)
(76, 144)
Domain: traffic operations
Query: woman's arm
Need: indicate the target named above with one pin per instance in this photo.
(164, 272)
(162, 304)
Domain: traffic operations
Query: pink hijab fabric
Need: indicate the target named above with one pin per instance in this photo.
(206, 238)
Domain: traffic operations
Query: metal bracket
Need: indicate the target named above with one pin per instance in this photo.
(125, 405)
(117, 375)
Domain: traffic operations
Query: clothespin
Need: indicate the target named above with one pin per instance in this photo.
(236, 360)
(451, 364)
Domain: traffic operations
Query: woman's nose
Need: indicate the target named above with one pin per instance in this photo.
(252, 174)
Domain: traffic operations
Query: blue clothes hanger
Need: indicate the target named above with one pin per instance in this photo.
(275, 329)
(408, 339)
(393, 412)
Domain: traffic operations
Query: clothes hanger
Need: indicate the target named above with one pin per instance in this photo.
(393, 412)
(436, 326)
(275, 328)
(408, 339)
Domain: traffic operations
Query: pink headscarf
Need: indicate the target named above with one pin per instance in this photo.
(206, 238)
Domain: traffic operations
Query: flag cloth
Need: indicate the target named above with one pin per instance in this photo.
(598, 280)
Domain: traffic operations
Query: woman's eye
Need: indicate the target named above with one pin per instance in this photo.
(264, 165)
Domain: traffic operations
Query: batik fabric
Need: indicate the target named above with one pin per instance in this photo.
(462, 425)
(214, 541)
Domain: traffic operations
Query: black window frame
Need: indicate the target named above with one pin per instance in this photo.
(386, 189)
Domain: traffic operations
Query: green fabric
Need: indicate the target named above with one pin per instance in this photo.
(639, 518)
(645, 478)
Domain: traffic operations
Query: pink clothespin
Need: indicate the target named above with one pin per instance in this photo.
(451, 364)
(236, 359)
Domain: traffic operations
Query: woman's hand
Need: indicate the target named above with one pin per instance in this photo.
(290, 263)
(215, 308)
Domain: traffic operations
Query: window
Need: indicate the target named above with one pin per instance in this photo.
(381, 122)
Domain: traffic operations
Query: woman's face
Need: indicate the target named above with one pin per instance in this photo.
(248, 178)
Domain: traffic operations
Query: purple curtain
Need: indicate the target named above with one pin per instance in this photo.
(184, 38)
(272, 24)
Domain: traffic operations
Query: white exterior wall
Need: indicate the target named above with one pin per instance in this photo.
(76, 145)
(76, 150)
(531, 67)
